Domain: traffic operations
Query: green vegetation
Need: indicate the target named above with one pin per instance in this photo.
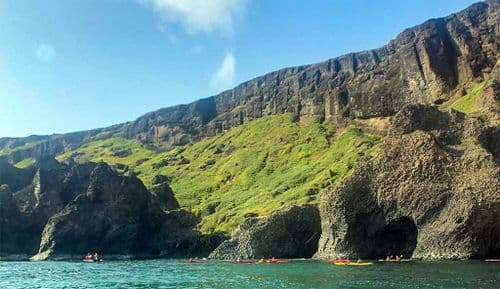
(253, 169)
(25, 163)
(113, 150)
(469, 103)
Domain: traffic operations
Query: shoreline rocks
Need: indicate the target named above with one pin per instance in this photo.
(290, 233)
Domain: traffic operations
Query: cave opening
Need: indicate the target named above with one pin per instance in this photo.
(398, 237)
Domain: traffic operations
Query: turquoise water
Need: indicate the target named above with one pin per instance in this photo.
(296, 274)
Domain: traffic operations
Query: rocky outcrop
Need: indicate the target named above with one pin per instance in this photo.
(428, 63)
(39, 193)
(117, 215)
(430, 192)
(75, 208)
(43, 147)
(14, 177)
(163, 194)
(291, 233)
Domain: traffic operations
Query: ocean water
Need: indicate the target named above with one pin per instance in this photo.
(217, 274)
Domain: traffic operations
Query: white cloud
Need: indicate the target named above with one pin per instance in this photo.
(207, 16)
(224, 76)
(45, 53)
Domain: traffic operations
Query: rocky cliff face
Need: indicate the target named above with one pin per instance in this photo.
(69, 209)
(425, 64)
(38, 193)
(431, 192)
(163, 194)
(291, 233)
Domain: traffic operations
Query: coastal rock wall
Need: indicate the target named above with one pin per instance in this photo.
(38, 194)
(64, 210)
(118, 216)
(290, 233)
(432, 191)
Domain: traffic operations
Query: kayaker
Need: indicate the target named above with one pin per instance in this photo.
(238, 260)
(359, 261)
(398, 258)
(190, 260)
(96, 257)
(262, 260)
(88, 257)
(388, 258)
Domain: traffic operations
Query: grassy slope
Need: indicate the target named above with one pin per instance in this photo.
(255, 168)
(469, 103)
(25, 163)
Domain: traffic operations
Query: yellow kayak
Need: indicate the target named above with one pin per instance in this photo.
(360, 264)
(353, 264)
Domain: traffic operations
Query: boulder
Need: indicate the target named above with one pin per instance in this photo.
(163, 193)
(290, 233)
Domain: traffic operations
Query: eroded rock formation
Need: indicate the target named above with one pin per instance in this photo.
(64, 210)
(290, 233)
(432, 191)
(39, 193)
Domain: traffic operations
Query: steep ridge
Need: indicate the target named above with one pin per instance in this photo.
(428, 63)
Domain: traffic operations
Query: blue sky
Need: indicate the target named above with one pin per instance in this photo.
(80, 64)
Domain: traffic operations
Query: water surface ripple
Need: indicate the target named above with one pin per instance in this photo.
(214, 274)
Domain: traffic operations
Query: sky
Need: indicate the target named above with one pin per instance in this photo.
(80, 64)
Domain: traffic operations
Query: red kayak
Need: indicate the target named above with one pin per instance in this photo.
(339, 261)
(277, 261)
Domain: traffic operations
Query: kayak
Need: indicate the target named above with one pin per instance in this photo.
(92, 261)
(359, 264)
(278, 261)
(403, 260)
(353, 263)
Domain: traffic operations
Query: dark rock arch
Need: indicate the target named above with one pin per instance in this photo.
(370, 236)
(398, 237)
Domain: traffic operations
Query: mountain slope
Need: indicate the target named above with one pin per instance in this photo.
(253, 169)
